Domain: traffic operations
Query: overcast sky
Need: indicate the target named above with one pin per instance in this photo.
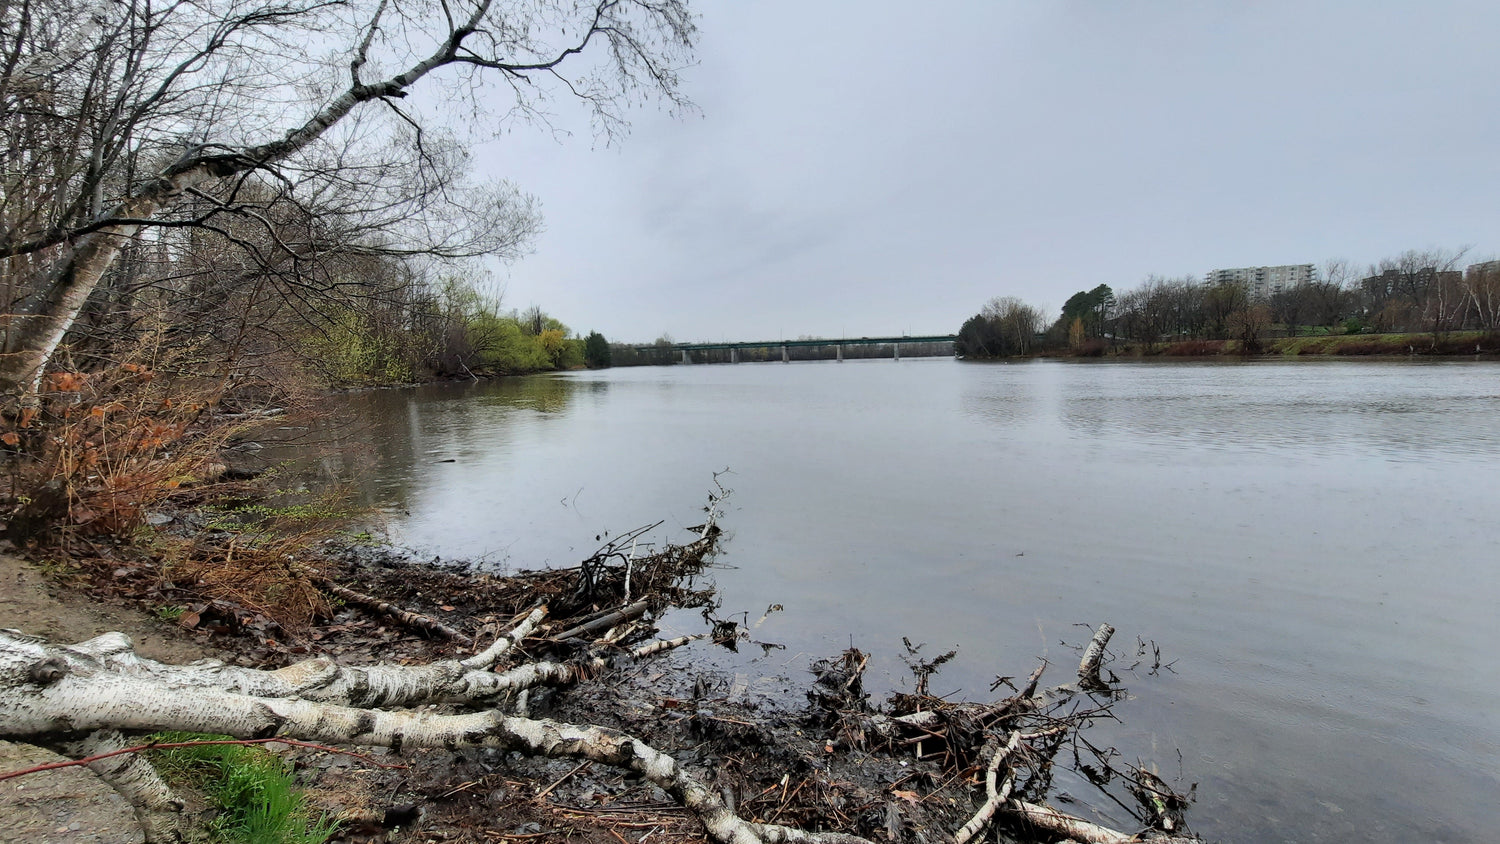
(874, 167)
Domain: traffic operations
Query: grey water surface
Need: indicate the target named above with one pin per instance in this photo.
(1313, 543)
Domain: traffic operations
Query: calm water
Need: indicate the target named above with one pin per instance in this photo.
(1314, 543)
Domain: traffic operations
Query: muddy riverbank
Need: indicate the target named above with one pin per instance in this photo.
(807, 751)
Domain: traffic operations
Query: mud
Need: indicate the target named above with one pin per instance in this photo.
(787, 749)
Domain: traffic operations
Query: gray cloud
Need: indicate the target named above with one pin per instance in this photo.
(879, 167)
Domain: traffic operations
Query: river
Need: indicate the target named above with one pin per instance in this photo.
(1313, 544)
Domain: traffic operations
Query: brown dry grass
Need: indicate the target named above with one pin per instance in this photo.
(261, 573)
(1195, 348)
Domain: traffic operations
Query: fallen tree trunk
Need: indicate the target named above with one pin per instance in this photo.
(80, 699)
(324, 680)
(84, 699)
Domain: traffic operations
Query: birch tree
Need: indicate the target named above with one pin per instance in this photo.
(1482, 285)
(128, 120)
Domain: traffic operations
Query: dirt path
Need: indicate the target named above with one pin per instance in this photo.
(71, 805)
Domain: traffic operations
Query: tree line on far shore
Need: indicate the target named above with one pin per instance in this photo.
(1415, 292)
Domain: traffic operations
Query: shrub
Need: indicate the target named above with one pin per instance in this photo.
(99, 449)
(1195, 348)
(349, 350)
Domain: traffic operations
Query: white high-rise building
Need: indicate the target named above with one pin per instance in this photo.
(1264, 282)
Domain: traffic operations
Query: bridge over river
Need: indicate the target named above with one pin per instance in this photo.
(925, 346)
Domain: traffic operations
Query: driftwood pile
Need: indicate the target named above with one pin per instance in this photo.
(1009, 749)
(91, 700)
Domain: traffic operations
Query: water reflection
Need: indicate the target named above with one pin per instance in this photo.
(1016, 402)
(396, 446)
(1306, 538)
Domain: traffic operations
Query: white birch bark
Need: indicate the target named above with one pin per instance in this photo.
(82, 699)
(322, 679)
(1093, 659)
(50, 693)
(37, 329)
(132, 777)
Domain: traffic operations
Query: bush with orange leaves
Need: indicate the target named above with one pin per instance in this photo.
(98, 449)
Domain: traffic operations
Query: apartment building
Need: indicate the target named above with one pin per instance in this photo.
(1264, 282)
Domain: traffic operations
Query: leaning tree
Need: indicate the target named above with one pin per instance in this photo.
(127, 122)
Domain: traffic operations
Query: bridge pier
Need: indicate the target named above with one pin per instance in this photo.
(785, 358)
(898, 350)
(686, 358)
(840, 348)
(734, 355)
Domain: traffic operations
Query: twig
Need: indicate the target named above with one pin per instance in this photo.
(542, 795)
(406, 618)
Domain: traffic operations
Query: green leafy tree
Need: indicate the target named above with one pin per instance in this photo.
(596, 354)
(1093, 307)
(975, 338)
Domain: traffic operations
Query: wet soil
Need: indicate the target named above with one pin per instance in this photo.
(776, 752)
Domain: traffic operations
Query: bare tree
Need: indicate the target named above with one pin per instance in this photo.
(1182, 304)
(1141, 314)
(1414, 288)
(1327, 299)
(1288, 307)
(1482, 285)
(1220, 302)
(127, 121)
(1249, 325)
(1015, 323)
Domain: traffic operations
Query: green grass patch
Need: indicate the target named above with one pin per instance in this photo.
(1408, 343)
(250, 787)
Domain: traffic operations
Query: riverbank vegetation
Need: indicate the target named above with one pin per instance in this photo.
(251, 792)
(1417, 303)
(257, 180)
(196, 240)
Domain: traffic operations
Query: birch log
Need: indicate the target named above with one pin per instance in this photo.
(1093, 659)
(85, 698)
(51, 694)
